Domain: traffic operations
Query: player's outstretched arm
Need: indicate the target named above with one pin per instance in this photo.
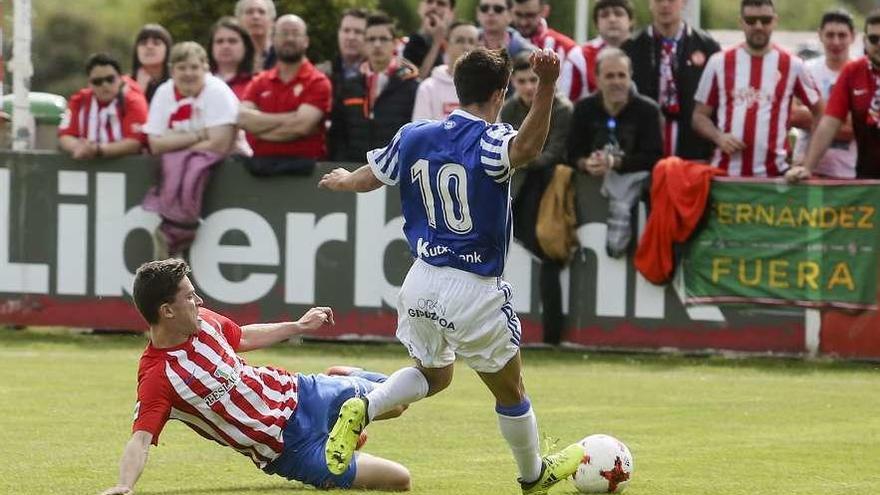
(132, 464)
(260, 335)
(340, 179)
(529, 142)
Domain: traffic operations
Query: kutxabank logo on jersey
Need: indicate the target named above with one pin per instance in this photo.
(425, 250)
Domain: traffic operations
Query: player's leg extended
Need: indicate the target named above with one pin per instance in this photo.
(376, 473)
(519, 427)
(403, 387)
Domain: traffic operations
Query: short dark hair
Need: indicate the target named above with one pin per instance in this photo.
(97, 59)
(873, 18)
(755, 3)
(380, 18)
(521, 61)
(156, 283)
(606, 4)
(452, 3)
(357, 12)
(838, 16)
(479, 73)
(543, 2)
(231, 23)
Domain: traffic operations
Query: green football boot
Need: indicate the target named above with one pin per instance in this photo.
(343, 439)
(555, 468)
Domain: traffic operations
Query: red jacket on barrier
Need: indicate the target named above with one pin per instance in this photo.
(679, 190)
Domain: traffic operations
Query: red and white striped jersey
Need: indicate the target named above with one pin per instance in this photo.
(752, 98)
(577, 78)
(205, 384)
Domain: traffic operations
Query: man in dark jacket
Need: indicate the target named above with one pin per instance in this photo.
(668, 59)
(370, 107)
(538, 174)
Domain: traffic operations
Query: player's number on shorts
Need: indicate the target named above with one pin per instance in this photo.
(452, 184)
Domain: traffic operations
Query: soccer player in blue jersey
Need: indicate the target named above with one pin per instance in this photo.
(454, 180)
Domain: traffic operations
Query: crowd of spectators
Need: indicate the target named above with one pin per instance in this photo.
(627, 98)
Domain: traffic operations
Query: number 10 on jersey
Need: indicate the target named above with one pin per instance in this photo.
(451, 183)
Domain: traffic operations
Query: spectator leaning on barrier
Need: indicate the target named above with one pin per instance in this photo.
(748, 89)
(350, 40)
(149, 64)
(856, 93)
(257, 17)
(668, 60)
(425, 47)
(284, 108)
(436, 97)
(614, 21)
(194, 110)
(538, 174)
(231, 57)
(837, 33)
(494, 19)
(104, 119)
(615, 128)
(370, 107)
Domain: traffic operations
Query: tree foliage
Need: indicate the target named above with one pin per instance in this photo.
(192, 20)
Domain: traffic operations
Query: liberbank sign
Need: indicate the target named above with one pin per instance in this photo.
(72, 234)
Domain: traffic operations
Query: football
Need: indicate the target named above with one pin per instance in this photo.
(606, 467)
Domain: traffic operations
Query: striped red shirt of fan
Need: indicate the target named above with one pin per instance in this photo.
(752, 97)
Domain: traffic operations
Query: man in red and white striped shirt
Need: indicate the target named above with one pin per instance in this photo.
(190, 371)
(614, 21)
(749, 88)
(104, 119)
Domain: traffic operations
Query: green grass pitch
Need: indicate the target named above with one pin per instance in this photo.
(694, 425)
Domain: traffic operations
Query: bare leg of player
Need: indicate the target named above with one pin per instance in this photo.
(376, 473)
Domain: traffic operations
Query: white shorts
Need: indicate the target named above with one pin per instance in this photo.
(445, 312)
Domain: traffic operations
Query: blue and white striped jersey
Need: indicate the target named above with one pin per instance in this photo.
(454, 190)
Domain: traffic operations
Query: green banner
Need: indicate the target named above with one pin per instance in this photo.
(812, 245)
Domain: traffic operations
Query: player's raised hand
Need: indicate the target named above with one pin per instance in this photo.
(334, 179)
(316, 318)
(546, 64)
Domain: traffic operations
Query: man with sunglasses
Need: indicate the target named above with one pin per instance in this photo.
(104, 119)
(668, 60)
(749, 89)
(494, 18)
(856, 93)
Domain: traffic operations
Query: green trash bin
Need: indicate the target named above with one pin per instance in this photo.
(47, 109)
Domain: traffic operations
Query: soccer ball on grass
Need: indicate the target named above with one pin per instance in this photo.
(607, 465)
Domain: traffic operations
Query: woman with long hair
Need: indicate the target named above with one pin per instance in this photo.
(231, 54)
(149, 60)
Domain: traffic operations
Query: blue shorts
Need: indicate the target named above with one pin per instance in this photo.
(319, 398)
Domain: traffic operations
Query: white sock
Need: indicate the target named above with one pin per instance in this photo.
(520, 428)
(404, 386)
